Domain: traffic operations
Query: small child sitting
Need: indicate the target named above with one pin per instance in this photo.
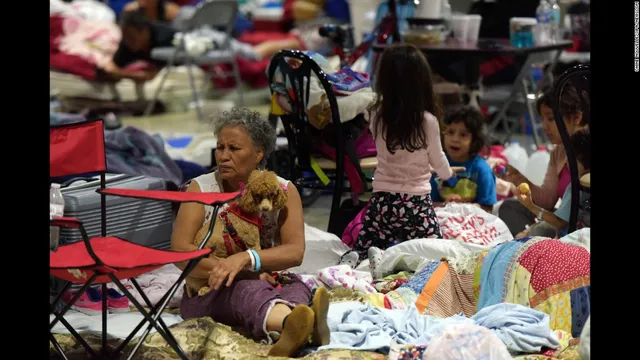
(551, 224)
(463, 138)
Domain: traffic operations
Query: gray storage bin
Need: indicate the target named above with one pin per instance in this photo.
(145, 222)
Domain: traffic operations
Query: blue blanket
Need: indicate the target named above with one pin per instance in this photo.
(132, 151)
(357, 326)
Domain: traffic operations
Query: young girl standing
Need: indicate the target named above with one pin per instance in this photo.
(463, 137)
(403, 121)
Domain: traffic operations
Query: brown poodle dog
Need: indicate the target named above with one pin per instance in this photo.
(238, 227)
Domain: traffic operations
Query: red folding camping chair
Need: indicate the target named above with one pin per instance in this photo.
(78, 149)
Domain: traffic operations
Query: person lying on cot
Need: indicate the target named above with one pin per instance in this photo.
(140, 36)
(154, 10)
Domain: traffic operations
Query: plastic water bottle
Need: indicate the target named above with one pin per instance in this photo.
(446, 15)
(516, 156)
(554, 21)
(537, 165)
(56, 210)
(543, 15)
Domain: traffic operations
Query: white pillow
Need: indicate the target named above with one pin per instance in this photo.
(434, 249)
(323, 249)
(414, 255)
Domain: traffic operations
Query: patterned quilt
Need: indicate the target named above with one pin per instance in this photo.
(204, 339)
(545, 274)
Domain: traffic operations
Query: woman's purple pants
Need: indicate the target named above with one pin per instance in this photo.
(245, 303)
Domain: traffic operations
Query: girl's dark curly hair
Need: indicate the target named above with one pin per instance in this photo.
(569, 101)
(473, 120)
(404, 87)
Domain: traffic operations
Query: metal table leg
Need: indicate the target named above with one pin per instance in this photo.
(518, 85)
(548, 74)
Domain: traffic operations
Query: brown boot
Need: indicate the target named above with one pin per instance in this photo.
(320, 306)
(296, 332)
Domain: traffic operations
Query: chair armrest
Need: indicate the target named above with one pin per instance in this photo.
(67, 222)
(208, 198)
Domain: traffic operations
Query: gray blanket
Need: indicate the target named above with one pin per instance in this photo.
(132, 151)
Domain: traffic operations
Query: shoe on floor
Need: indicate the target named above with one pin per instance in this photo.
(320, 307)
(88, 303)
(117, 301)
(297, 330)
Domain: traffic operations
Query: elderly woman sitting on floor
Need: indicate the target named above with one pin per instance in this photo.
(240, 297)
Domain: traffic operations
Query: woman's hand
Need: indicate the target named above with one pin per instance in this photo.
(268, 278)
(523, 233)
(226, 270)
(524, 198)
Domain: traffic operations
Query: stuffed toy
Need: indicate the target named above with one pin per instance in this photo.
(238, 227)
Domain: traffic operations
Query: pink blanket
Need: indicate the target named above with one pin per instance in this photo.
(94, 41)
(156, 284)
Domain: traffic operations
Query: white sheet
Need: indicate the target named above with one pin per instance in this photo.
(197, 151)
(471, 224)
(479, 231)
(175, 86)
(322, 250)
(413, 255)
(86, 9)
(119, 325)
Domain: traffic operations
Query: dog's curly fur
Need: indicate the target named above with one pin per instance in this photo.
(262, 193)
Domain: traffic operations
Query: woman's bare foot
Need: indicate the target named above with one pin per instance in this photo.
(320, 306)
(298, 327)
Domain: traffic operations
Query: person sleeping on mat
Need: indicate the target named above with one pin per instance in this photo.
(140, 36)
(154, 10)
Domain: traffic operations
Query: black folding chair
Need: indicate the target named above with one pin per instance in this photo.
(296, 69)
(77, 149)
(580, 78)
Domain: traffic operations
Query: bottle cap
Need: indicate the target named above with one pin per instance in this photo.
(55, 186)
(542, 148)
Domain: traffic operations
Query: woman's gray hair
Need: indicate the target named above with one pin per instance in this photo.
(262, 134)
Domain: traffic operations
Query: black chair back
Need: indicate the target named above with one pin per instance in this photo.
(580, 78)
(295, 69)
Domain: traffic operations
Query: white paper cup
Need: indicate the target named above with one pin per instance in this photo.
(429, 9)
(473, 28)
(460, 27)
